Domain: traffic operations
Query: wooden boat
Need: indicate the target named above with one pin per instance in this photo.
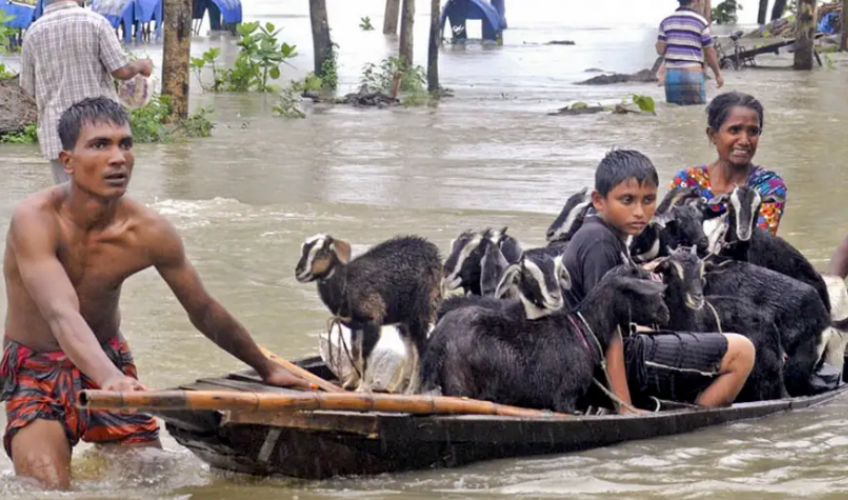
(323, 444)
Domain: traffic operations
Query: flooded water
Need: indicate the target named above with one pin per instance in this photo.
(246, 198)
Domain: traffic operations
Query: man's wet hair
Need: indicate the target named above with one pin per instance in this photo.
(720, 106)
(620, 165)
(685, 2)
(90, 111)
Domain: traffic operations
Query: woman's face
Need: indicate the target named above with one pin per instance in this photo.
(736, 140)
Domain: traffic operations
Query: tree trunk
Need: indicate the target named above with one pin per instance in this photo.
(778, 9)
(176, 53)
(763, 12)
(843, 37)
(433, 49)
(704, 8)
(406, 27)
(805, 30)
(390, 21)
(321, 43)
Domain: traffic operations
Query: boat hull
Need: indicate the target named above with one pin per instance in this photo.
(319, 445)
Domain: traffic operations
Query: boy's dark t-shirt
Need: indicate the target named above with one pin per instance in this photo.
(593, 250)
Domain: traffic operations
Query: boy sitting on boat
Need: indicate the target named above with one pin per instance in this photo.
(708, 369)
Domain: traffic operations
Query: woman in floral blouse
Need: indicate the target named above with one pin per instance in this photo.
(735, 123)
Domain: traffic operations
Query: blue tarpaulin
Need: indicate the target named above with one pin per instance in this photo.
(230, 11)
(24, 14)
(459, 11)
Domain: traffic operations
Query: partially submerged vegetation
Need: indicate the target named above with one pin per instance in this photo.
(635, 104)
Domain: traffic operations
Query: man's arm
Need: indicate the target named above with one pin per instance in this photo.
(205, 313)
(27, 80)
(710, 56)
(661, 40)
(46, 281)
(115, 60)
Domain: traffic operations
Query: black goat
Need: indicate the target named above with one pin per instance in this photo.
(690, 310)
(547, 363)
(462, 268)
(680, 225)
(396, 281)
(570, 217)
(745, 241)
(531, 288)
(796, 309)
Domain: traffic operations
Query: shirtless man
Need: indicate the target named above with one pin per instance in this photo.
(68, 251)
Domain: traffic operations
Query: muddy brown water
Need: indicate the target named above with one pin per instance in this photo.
(246, 198)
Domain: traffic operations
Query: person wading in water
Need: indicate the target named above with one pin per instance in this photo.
(684, 41)
(69, 250)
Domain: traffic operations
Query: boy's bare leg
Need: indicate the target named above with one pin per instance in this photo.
(733, 372)
(41, 451)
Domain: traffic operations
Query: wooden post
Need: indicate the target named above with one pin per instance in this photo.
(843, 37)
(805, 30)
(407, 21)
(778, 9)
(321, 43)
(433, 49)
(763, 12)
(176, 53)
(390, 21)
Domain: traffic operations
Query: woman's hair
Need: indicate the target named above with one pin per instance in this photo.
(721, 105)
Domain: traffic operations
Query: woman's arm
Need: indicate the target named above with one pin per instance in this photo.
(772, 189)
(839, 261)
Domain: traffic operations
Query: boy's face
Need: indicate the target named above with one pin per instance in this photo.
(628, 206)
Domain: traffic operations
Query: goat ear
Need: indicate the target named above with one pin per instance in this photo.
(718, 200)
(342, 250)
(663, 219)
(509, 278)
(562, 273)
(659, 265)
(643, 287)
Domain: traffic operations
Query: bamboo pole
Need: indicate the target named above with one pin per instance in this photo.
(308, 375)
(176, 53)
(843, 36)
(433, 48)
(299, 401)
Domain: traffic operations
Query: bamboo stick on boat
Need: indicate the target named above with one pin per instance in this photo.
(320, 382)
(299, 401)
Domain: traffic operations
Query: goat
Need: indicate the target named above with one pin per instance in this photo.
(396, 281)
(531, 288)
(570, 218)
(683, 274)
(797, 310)
(677, 196)
(745, 241)
(547, 363)
(680, 225)
(462, 268)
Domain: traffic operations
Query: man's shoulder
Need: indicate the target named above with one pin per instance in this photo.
(39, 209)
(686, 16)
(153, 230)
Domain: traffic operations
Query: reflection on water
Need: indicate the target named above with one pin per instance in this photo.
(245, 199)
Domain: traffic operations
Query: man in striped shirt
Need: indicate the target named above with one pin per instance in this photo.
(685, 42)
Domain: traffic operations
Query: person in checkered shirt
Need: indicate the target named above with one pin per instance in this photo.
(70, 54)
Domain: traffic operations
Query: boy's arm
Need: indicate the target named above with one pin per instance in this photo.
(617, 375)
(596, 264)
(839, 261)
